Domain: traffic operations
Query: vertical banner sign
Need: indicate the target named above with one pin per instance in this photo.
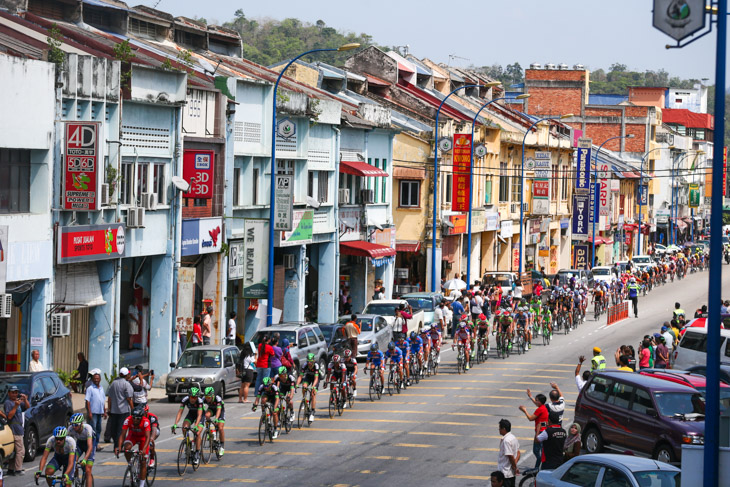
(462, 167)
(284, 203)
(694, 195)
(604, 194)
(516, 258)
(81, 166)
(235, 259)
(580, 257)
(643, 194)
(198, 171)
(3, 257)
(541, 184)
(185, 299)
(581, 210)
(255, 258)
(583, 167)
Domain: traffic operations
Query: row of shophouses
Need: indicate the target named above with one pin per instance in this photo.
(135, 167)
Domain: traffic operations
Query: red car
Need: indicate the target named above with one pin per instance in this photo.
(697, 381)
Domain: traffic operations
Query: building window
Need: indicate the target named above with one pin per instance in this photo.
(323, 186)
(516, 183)
(503, 183)
(255, 189)
(554, 183)
(448, 189)
(285, 167)
(142, 28)
(564, 183)
(142, 177)
(488, 191)
(125, 184)
(237, 186)
(159, 182)
(410, 192)
(310, 184)
(14, 181)
(383, 182)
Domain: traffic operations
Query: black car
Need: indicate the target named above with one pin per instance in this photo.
(50, 405)
(335, 337)
(702, 370)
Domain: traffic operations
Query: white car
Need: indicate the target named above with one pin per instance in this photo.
(501, 279)
(386, 308)
(602, 273)
(660, 249)
(603, 469)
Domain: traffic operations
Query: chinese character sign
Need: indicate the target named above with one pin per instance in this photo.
(198, 171)
(81, 166)
(541, 184)
(462, 169)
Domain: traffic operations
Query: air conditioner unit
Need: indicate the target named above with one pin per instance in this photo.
(367, 196)
(149, 201)
(104, 196)
(135, 217)
(60, 324)
(6, 305)
(289, 261)
(344, 196)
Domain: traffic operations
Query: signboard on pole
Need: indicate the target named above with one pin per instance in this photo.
(553, 259)
(201, 236)
(303, 222)
(84, 243)
(643, 194)
(604, 193)
(284, 202)
(198, 172)
(81, 166)
(583, 166)
(235, 259)
(694, 195)
(4, 245)
(581, 210)
(580, 256)
(461, 189)
(679, 18)
(255, 258)
(185, 299)
(541, 184)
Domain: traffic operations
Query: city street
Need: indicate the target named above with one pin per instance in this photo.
(444, 428)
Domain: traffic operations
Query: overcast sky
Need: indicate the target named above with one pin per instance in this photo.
(595, 33)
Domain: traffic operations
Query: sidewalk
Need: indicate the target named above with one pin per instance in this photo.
(79, 403)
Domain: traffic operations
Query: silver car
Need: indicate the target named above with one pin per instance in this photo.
(210, 365)
(602, 469)
(373, 329)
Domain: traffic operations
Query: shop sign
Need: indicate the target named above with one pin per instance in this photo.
(350, 224)
(255, 258)
(679, 18)
(583, 166)
(694, 195)
(545, 225)
(384, 237)
(506, 229)
(615, 185)
(541, 184)
(81, 166)
(301, 234)
(564, 223)
(462, 172)
(580, 257)
(534, 227)
(185, 299)
(284, 203)
(235, 259)
(85, 243)
(553, 259)
(643, 194)
(198, 171)
(516, 258)
(201, 236)
(621, 222)
(581, 212)
(477, 221)
(492, 221)
(460, 224)
(604, 190)
(4, 246)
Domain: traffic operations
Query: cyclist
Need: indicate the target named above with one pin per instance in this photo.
(417, 348)
(269, 393)
(435, 336)
(506, 326)
(213, 406)
(597, 297)
(83, 435)
(194, 403)
(336, 374)
(375, 359)
(396, 357)
(404, 345)
(482, 331)
(351, 365)
(64, 456)
(426, 340)
(547, 319)
(138, 432)
(309, 375)
(463, 337)
(154, 433)
(286, 383)
(523, 327)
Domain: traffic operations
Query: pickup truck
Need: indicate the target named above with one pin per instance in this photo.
(386, 308)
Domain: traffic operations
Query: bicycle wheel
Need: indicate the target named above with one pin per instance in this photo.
(151, 471)
(287, 419)
(182, 458)
(206, 446)
(128, 481)
(351, 399)
(341, 402)
(545, 338)
(333, 403)
(373, 388)
(192, 461)
(263, 426)
(302, 414)
(459, 359)
(528, 481)
(379, 386)
(391, 382)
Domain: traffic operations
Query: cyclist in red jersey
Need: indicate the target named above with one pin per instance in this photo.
(154, 431)
(136, 430)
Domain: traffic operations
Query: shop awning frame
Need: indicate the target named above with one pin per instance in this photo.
(407, 246)
(360, 168)
(361, 248)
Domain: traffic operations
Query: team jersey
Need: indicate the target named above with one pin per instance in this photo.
(81, 437)
(154, 421)
(68, 447)
(462, 334)
(286, 384)
(335, 368)
(350, 364)
(395, 355)
(138, 430)
(375, 357)
(403, 346)
(213, 406)
(310, 370)
(270, 391)
(416, 345)
(193, 404)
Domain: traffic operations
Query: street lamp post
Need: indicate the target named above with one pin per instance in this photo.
(641, 182)
(435, 177)
(595, 177)
(471, 177)
(522, 178)
(272, 186)
(674, 212)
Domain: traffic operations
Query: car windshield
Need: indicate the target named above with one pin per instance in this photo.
(286, 334)
(385, 309)
(683, 405)
(724, 396)
(499, 280)
(658, 478)
(23, 383)
(327, 332)
(641, 260)
(204, 359)
(365, 324)
(425, 304)
(601, 272)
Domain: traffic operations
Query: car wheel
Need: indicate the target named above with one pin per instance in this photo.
(31, 444)
(593, 441)
(664, 453)
(222, 390)
(322, 364)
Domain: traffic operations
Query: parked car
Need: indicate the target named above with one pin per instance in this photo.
(660, 249)
(373, 329)
(581, 275)
(610, 469)
(209, 365)
(7, 447)
(642, 414)
(50, 405)
(386, 308)
(702, 370)
(602, 273)
(334, 336)
(699, 382)
(501, 279)
(426, 302)
(304, 338)
(692, 348)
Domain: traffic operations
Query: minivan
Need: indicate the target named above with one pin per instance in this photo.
(648, 416)
(581, 275)
(692, 349)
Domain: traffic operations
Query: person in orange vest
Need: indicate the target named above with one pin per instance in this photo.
(352, 330)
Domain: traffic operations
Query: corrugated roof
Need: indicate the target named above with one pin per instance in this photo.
(607, 99)
(687, 118)
(108, 4)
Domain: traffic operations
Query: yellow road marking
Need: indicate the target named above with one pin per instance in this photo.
(414, 445)
(422, 395)
(187, 479)
(484, 449)
(401, 459)
(530, 376)
(495, 437)
(431, 433)
(367, 420)
(326, 442)
(468, 477)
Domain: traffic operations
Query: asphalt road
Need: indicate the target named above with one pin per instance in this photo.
(442, 430)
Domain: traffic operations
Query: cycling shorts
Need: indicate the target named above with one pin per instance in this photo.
(59, 463)
(81, 454)
(222, 417)
(482, 332)
(396, 359)
(466, 343)
(416, 350)
(191, 417)
(378, 364)
(137, 440)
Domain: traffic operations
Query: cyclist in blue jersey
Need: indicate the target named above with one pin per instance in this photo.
(395, 356)
(417, 347)
(64, 456)
(375, 360)
(404, 345)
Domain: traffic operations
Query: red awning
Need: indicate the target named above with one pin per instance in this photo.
(630, 227)
(600, 240)
(359, 168)
(366, 249)
(403, 67)
(376, 81)
(407, 246)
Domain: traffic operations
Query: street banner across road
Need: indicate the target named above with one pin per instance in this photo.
(462, 169)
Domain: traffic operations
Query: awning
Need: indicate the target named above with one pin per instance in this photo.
(372, 80)
(600, 240)
(361, 248)
(77, 285)
(404, 68)
(359, 168)
(407, 246)
(630, 227)
(409, 173)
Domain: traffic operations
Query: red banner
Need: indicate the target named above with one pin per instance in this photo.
(198, 171)
(461, 189)
(541, 188)
(81, 166)
(90, 242)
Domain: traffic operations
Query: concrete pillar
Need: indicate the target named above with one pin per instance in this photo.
(359, 284)
(161, 313)
(327, 285)
(476, 256)
(34, 323)
(294, 299)
(429, 260)
(102, 320)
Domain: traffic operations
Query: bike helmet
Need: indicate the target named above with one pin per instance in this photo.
(462, 325)
(391, 345)
(282, 370)
(310, 357)
(426, 329)
(137, 412)
(348, 353)
(267, 381)
(60, 432)
(413, 335)
(194, 392)
(77, 418)
(482, 317)
(374, 347)
(209, 391)
(335, 358)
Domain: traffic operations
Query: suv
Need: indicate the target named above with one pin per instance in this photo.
(304, 338)
(581, 275)
(650, 416)
(207, 365)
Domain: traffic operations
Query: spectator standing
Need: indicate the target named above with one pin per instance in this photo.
(82, 371)
(351, 332)
(662, 355)
(265, 351)
(645, 354)
(668, 339)
(231, 330)
(133, 321)
(552, 439)
(197, 338)
(557, 402)
(95, 399)
(246, 367)
(438, 317)
(275, 360)
(509, 453)
(540, 417)
(580, 380)
(119, 399)
(14, 406)
(347, 308)
(35, 364)
(140, 387)
(475, 306)
(598, 362)
(448, 313)
(207, 321)
(573, 442)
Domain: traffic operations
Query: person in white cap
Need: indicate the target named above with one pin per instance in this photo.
(95, 399)
(119, 399)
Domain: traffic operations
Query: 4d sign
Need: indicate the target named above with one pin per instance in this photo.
(679, 18)
(286, 129)
(81, 166)
(198, 171)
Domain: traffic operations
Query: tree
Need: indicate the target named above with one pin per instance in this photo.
(617, 67)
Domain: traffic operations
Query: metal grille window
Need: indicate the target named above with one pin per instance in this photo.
(125, 183)
(554, 183)
(14, 181)
(323, 183)
(409, 194)
(565, 181)
(142, 177)
(384, 183)
(159, 174)
(236, 185)
(310, 184)
(503, 183)
(448, 179)
(255, 188)
(516, 183)
(142, 28)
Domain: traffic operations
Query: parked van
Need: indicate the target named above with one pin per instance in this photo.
(692, 349)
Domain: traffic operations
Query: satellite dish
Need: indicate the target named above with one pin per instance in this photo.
(207, 67)
(180, 183)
